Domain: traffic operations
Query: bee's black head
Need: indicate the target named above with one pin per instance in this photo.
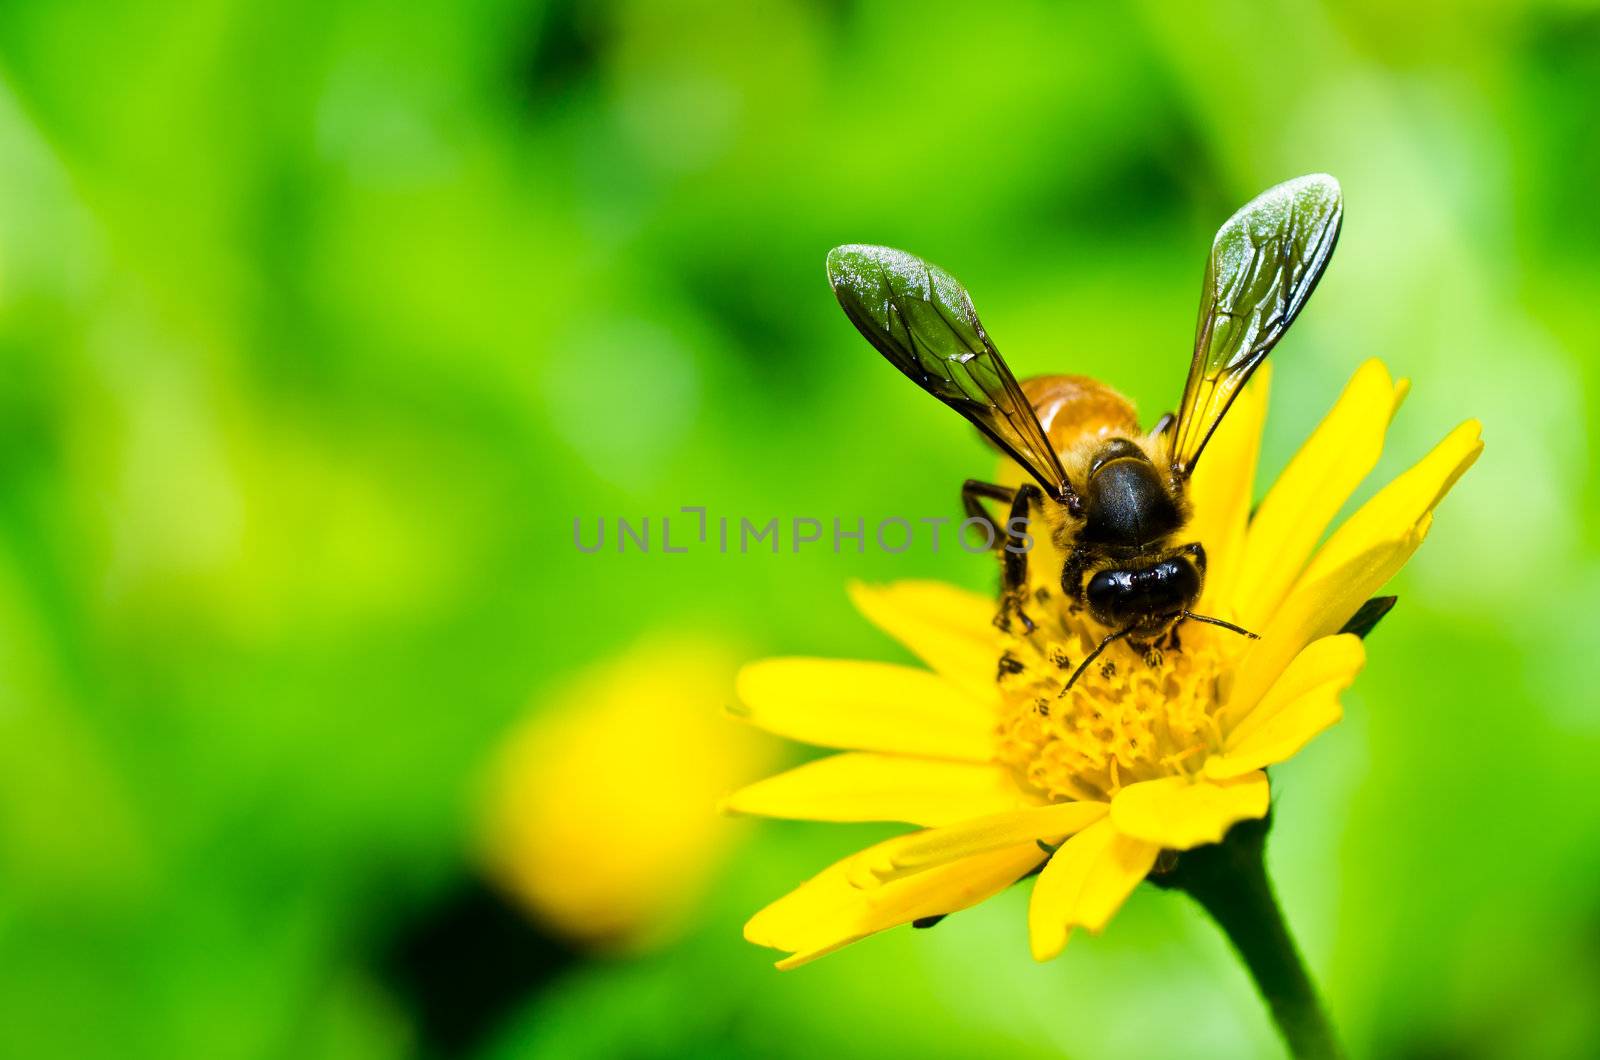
(1146, 598)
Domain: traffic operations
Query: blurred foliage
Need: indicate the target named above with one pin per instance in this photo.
(320, 323)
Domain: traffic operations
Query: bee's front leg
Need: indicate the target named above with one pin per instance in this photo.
(1014, 559)
(974, 492)
(1072, 576)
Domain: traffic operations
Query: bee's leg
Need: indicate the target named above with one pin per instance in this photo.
(974, 493)
(1163, 425)
(1014, 559)
(1072, 576)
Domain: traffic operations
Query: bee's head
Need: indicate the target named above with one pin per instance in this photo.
(1146, 598)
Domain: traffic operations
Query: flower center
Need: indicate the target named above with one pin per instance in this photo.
(1137, 713)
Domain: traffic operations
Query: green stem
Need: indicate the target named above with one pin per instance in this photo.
(1229, 880)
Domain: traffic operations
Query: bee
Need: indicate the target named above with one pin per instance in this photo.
(1114, 498)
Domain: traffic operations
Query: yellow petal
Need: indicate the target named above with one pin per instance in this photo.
(1182, 812)
(1221, 489)
(948, 628)
(1323, 474)
(1361, 555)
(1403, 503)
(1300, 704)
(919, 851)
(828, 912)
(865, 706)
(1086, 881)
(878, 787)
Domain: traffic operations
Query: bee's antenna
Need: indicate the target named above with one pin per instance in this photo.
(1092, 656)
(1219, 622)
(1121, 633)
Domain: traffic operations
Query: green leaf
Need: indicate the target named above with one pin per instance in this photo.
(1368, 615)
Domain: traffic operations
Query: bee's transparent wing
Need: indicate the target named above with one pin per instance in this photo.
(1264, 264)
(922, 320)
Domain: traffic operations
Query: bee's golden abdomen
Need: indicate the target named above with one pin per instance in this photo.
(1074, 409)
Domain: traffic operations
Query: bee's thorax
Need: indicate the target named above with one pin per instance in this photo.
(1127, 503)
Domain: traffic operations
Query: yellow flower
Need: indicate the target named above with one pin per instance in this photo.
(594, 810)
(1146, 752)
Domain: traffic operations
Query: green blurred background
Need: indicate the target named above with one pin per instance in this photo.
(320, 323)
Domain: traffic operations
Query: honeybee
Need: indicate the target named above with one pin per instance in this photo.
(1114, 498)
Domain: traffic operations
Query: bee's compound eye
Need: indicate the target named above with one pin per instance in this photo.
(1108, 591)
(1178, 582)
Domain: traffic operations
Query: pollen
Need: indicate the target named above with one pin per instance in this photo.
(1148, 712)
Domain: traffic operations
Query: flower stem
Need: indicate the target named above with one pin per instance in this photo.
(1229, 880)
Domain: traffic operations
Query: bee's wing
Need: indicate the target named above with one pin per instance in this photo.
(922, 320)
(1264, 264)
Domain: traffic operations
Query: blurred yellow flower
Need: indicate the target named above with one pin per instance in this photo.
(598, 810)
(1145, 753)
